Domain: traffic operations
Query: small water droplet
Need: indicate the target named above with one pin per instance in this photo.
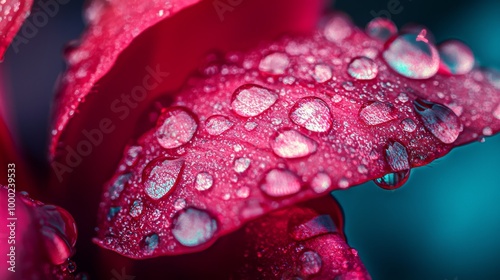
(243, 192)
(343, 183)
(241, 164)
(312, 113)
(394, 180)
(249, 126)
(176, 126)
(132, 154)
(362, 68)
(397, 157)
(362, 169)
(252, 100)
(193, 227)
(456, 57)
(381, 28)
(204, 181)
(280, 182)
(69, 266)
(275, 64)
(440, 120)
(112, 212)
(149, 243)
(180, 204)
(321, 182)
(292, 144)
(162, 177)
(136, 208)
(311, 262)
(408, 125)
(338, 28)
(412, 56)
(117, 187)
(300, 229)
(216, 125)
(377, 113)
(496, 113)
(322, 73)
(487, 131)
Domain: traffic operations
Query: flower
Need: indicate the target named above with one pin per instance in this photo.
(216, 149)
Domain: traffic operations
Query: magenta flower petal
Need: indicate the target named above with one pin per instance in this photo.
(13, 14)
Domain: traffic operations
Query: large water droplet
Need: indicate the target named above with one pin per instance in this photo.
(377, 113)
(216, 125)
(57, 247)
(241, 164)
(302, 230)
(397, 157)
(394, 180)
(412, 56)
(312, 113)
(322, 73)
(280, 182)
(440, 120)
(118, 185)
(162, 177)
(321, 182)
(292, 144)
(456, 57)
(311, 262)
(381, 28)
(252, 100)
(363, 68)
(408, 125)
(204, 181)
(149, 243)
(176, 126)
(193, 227)
(136, 208)
(338, 28)
(275, 63)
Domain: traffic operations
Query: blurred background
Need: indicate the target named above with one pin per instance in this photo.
(443, 224)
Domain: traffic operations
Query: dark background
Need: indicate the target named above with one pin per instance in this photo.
(444, 224)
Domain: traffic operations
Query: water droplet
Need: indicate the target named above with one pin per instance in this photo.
(136, 208)
(180, 204)
(408, 125)
(394, 180)
(292, 144)
(162, 177)
(338, 28)
(343, 183)
(496, 113)
(252, 100)
(397, 157)
(312, 113)
(243, 192)
(241, 164)
(311, 262)
(112, 212)
(412, 56)
(249, 126)
(321, 182)
(377, 113)
(381, 28)
(149, 243)
(132, 154)
(280, 182)
(362, 169)
(118, 185)
(69, 266)
(204, 181)
(300, 229)
(440, 120)
(176, 126)
(193, 227)
(362, 68)
(456, 57)
(487, 131)
(275, 63)
(322, 73)
(216, 125)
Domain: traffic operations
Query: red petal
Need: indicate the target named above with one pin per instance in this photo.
(39, 239)
(13, 14)
(282, 124)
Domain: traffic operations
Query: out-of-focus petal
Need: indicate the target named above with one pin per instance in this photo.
(12, 15)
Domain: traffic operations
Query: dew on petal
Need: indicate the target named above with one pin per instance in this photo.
(394, 180)
(57, 247)
(302, 230)
(381, 28)
(311, 262)
(377, 113)
(112, 212)
(204, 181)
(180, 204)
(216, 125)
(118, 185)
(408, 125)
(487, 131)
(312, 113)
(292, 144)
(136, 208)
(162, 177)
(440, 120)
(412, 56)
(176, 126)
(193, 227)
(343, 183)
(321, 182)
(397, 156)
(131, 155)
(149, 243)
(252, 100)
(363, 68)
(280, 182)
(338, 28)
(456, 57)
(249, 126)
(496, 113)
(241, 164)
(275, 63)
(322, 73)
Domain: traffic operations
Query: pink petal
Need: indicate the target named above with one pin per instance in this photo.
(13, 14)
